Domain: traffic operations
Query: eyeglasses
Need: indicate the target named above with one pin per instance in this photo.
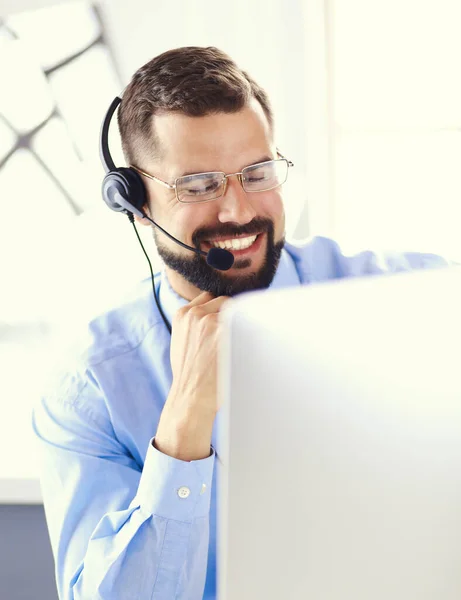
(203, 187)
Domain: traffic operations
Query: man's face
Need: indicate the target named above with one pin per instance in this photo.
(220, 142)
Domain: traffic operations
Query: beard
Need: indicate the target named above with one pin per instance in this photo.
(196, 271)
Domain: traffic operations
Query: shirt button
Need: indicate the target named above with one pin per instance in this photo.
(183, 492)
(202, 491)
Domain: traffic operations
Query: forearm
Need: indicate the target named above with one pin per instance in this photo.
(184, 430)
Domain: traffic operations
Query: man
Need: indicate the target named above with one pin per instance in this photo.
(127, 435)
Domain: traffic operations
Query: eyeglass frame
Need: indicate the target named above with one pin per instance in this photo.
(226, 175)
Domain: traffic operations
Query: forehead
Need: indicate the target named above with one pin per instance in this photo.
(221, 142)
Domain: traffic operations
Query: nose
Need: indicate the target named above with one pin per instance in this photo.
(235, 205)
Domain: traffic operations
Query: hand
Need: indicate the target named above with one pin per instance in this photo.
(187, 420)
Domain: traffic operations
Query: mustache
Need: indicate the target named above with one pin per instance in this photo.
(257, 225)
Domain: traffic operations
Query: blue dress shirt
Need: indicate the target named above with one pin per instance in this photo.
(126, 521)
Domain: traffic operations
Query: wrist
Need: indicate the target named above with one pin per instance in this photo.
(186, 452)
(185, 437)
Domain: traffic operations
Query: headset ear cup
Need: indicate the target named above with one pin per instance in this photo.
(137, 189)
(128, 184)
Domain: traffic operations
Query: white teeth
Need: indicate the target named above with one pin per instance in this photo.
(236, 243)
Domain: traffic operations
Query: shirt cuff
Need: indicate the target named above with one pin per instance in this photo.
(173, 488)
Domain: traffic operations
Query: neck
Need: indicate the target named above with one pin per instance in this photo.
(182, 287)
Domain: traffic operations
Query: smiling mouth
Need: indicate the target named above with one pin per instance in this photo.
(239, 245)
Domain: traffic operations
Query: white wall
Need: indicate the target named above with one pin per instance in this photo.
(395, 116)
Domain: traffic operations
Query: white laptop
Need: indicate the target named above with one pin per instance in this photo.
(339, 474)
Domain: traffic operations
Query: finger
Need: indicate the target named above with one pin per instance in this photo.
(201, 299)
(214, 305)
(206, 298)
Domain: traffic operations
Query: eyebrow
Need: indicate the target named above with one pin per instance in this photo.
(256, 162)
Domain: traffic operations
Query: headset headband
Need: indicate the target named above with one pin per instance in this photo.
(104, 151)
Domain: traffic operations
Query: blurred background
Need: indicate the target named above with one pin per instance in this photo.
(367, 102)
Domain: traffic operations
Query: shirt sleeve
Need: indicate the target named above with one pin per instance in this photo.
(369, 262)
(119, 531)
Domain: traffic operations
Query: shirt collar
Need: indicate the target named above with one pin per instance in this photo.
(285, 276)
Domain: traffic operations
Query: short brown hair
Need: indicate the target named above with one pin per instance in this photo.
(192, 80)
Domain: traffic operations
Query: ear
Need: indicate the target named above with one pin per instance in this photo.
(143, 220)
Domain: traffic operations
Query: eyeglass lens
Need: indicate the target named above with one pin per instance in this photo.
(255, 178)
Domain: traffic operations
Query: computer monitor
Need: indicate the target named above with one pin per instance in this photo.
(339, 474)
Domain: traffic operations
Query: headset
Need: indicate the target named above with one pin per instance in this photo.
(123, 190)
